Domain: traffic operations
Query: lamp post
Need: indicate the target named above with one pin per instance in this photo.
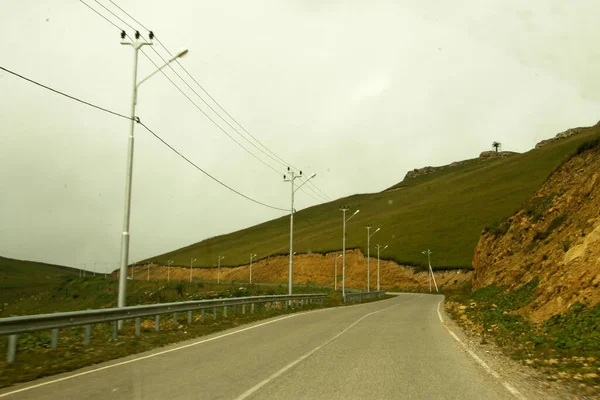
(251, 257)
(169, 270)
(191, 267)
(369, 255)
(336, 274)
(148, 278)
(136, 44)
(132, 268)
(343, 210)
(219, 258)
(291, 179)
(379, 248)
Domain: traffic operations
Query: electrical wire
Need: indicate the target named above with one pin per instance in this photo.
(66, 95)
(277, 158)
(206, 173)
(149, 130)
(274, 156)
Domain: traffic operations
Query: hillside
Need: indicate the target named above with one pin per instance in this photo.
(22, 278)
(445, 210)
(555, 239)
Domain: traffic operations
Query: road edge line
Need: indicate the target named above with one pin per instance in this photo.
(511, 389)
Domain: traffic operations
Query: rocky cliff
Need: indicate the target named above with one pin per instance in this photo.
(556, 237)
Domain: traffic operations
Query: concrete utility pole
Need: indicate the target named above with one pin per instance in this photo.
(336, 274)
(169, 270)
(191, 267)
(136, 44)
(219, 258)
(379, 248)
(343, 210)
(369, 255)
(251, 257)
(292, 177)
(430, 272)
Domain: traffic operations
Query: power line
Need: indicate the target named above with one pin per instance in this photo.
(149, 130)
(209, 118)
(206, 173)
(94, 10)
(277, 159)
(64, 94)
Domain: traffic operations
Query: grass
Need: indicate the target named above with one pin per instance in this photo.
(20, 279)
(445, 211)
(566, 347)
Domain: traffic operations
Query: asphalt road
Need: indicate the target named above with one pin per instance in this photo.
(391, 349)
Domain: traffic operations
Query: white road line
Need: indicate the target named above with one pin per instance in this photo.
(159, 353)
(511, 389)
(277, 374)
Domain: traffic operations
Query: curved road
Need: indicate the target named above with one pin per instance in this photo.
(391, 349)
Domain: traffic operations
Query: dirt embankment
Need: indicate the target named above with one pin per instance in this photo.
(316, 269)
(556, 237)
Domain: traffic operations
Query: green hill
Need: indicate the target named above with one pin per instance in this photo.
(444, 211)
(24, 278)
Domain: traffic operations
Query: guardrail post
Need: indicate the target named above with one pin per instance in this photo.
(202, 314)
(190, 316)
(175, 317)
(214, 312)
(114, 330)
(225, 311)
(157, 323)
(54, 341)
(12, 348)
(137, 326)
(235, 310)
(87, 334)
(252, 308)
(244, 308)
(266, 307)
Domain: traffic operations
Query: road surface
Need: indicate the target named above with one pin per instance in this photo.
(390, 349)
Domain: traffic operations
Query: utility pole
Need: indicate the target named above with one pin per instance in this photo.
(148, 278)
(378, 249)
(169, 270)
(136, 44)
(292, 177)
(219, 258)
(336, 274)
(343, 209)
(369, 255)
(430, 272)
(191, 267)
(251, 257)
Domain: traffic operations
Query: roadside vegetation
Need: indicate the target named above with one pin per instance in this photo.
(566, 347)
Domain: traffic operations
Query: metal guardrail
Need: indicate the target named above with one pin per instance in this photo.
(361, 296)
(30, 323)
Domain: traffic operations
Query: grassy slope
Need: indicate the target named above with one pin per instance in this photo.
(24, 278)
(444, 211)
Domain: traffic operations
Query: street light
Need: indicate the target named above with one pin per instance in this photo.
(191, 267)
(251, 257)
(369, 255)
(379, 248)
(291, 179)
(219, 258)
(335, 273)
(148, 279)
(169, 270)
(343, 210)
(428, 252)
(137, 44)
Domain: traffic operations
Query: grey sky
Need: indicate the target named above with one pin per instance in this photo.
(358, 92)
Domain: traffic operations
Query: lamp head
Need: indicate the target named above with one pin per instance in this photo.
(182, 53)
(356, 212)
(313, 175)
(377, 230)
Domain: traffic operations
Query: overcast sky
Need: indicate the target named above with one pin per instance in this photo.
(359, 92)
